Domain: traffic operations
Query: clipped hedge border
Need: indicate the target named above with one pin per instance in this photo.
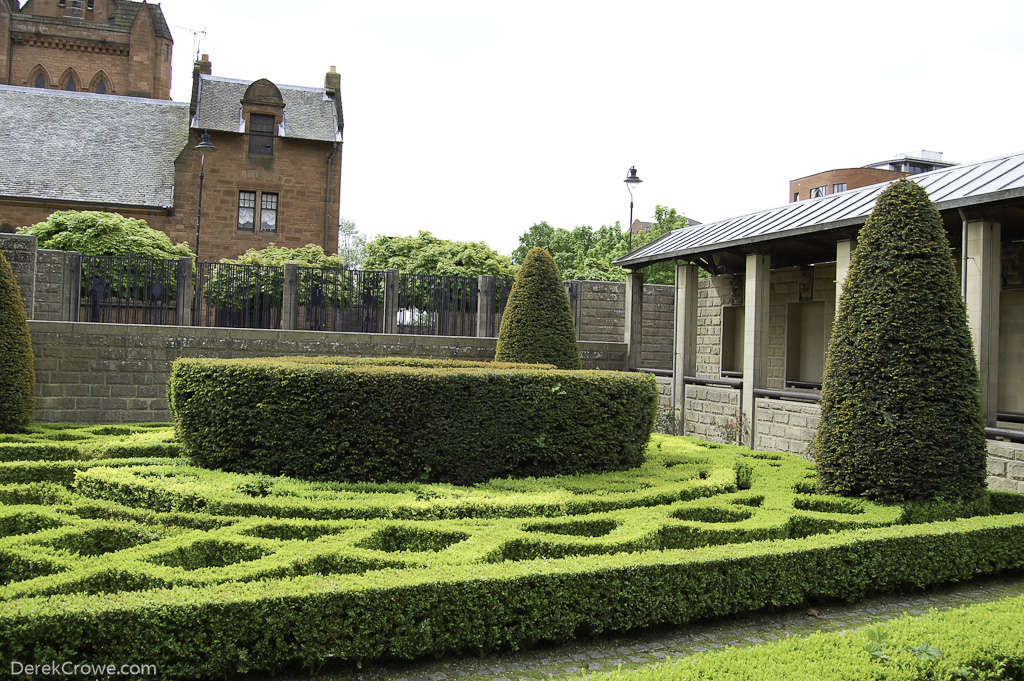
(973, 640)
(195, 632)
(366, 420)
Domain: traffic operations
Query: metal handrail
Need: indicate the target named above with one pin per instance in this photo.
(727, 382)
(788, 395)
(1005, 434)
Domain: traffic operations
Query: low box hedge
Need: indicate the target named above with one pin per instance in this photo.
(397, 420)
(267, 625)
(966, 643)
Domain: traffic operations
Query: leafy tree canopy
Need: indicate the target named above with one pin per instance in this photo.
(586, 253)
(351, 244)
(310, 255)
(426, 254)
(97, 233)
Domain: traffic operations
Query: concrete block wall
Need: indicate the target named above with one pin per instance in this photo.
(658, 326)
(1006, 466)
(664, 391)
(785, 426)
(711, 411)
(785, 289)
(712, 293)
(603, 311)
(117, 373)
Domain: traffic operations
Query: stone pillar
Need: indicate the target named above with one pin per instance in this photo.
(71, 287)
(983, 285)
(844, 256)
(485, 305)
(755, 338)
(390, 317)
(183, 306)
(634, 319)
(684, 363)
(290, 298)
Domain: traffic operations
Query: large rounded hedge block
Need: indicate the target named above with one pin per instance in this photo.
(537, 325)
(373, 420)
(17, 364)
(901, 415)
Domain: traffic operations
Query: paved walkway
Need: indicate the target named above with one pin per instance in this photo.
(629, 651)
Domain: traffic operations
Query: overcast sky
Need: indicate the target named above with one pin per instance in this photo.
(474, 120)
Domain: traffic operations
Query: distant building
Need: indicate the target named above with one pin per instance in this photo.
(843, 179)
(275, 177)
(641, 227)
(109, 47)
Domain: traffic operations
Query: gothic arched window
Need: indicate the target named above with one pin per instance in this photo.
(101, 87)
(40, 81)
(71, 86)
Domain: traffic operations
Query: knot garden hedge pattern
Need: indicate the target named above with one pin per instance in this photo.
(225, 572)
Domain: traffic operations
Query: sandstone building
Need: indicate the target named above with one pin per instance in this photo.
(114, 47)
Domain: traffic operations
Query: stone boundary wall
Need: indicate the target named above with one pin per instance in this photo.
(664, 391)
(117, 373)
(1006, 466)
(711, 412)
(21, 253)
(603, 318)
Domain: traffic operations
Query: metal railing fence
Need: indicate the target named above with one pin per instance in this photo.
(126, 290)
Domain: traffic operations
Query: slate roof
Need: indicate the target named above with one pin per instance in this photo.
(954, 187)
(308, 112)
(120, 21)
(79, 146)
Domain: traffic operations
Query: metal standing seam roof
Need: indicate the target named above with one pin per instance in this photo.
(956, 186)
(79, 146)
(308, 112)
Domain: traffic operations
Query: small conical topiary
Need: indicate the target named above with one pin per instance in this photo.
(901, 416)
(537, 326)
(17, 365)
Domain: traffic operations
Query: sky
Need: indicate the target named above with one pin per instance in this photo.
(475, 120)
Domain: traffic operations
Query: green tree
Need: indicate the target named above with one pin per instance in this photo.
(351, 244)
(586, 253)
(426, 254)
(17, 365)
(97, 233)
(537, 326)
(901, 414)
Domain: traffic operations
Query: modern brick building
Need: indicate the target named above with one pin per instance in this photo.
(844, 179)
(275, 176)
(113, 47)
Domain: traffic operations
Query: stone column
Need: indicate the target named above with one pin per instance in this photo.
(390, 317)
(983, 285)
(183, 307)
(844, 256)
(71, 287)
(290, 298)
(485, 305)
(755, 338)
(634, 319)
(684, 363)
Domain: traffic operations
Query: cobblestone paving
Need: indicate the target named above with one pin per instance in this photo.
(649, 647)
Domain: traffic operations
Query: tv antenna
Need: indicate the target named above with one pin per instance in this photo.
(196, 40)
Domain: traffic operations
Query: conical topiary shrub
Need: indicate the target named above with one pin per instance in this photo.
(17, 365)
(537, 326)
(901, 416)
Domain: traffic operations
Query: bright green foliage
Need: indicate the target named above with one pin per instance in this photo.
(17, 363)
(426, 254)
(585, 253)
(351, 244)
(362, 420)
(310, 255)
(65, 442)
(976, 642)
(156, 551)
(96, 233)
(537, 325)
(901, 413)
(209, 574)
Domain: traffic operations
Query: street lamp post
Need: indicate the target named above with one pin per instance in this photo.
(631, 182)
(204, 146)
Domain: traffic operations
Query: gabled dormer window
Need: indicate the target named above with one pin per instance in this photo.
(261, 134)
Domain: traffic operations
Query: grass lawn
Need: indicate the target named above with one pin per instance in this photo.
(113, 545)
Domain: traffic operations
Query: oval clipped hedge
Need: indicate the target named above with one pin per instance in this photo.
(414, 420)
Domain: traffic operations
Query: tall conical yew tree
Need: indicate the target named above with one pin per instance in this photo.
(901, 416)
(17, 365)
(537, 326)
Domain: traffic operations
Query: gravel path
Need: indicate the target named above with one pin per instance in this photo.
(633, 650)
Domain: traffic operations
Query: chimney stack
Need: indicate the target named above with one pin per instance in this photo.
(202, 67)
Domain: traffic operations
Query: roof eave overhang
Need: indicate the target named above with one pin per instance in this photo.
(752, 243)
